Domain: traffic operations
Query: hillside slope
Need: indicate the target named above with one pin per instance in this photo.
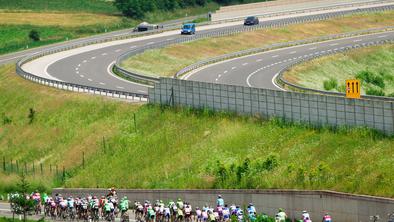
(176, 148)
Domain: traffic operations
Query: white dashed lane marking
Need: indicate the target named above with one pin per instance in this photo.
(245, 64)
(132, 47)
(259, 60)
(382, 36)
(225, 72)
(333, 44)
(90, 80)
(118, 50)
(81, 76)
(93, 57)
(234, 67)
(79, 65)
(169, 39)
(101, 83)
(358, 40)
(313, 48)
(85, 61)
(141, 91)
(104, 54)
(77, 72)
(293, 52)
(274, 56)
(119, 87)
(150, 43)
(76, 68)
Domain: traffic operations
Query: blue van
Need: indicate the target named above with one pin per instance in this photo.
(189, 28)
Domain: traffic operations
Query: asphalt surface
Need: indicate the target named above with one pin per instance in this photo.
(259, 70)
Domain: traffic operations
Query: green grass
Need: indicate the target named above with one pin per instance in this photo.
(15, 37)
(169, 60)
(178, 148)
(9, 219)
(103, 17)
(94, 6)
(373, 66)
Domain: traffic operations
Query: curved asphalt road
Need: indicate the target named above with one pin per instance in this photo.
(92, 68)
(259, 70)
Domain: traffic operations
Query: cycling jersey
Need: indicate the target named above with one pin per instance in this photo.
(327, 218)
(167, 211)
(199, 213)
(220, 202)
(70, 203)
(281, 216)
(179, 204)
(226, 213)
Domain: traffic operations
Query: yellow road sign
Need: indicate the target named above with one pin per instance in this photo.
(353, 88)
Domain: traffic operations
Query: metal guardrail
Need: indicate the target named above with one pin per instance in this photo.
(282, 81)
(132, 74)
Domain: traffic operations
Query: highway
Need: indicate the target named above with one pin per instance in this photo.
(260, 69)
(91, 65)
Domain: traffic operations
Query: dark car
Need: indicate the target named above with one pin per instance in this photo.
(251, 20)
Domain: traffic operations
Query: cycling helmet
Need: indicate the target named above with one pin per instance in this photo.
(179, 199)
(219, 196)
(94, 197)
(280, 210)
(304, 212)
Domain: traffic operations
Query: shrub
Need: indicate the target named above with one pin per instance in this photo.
(375, 92)
(341, 88)
(6, 119)
(34, 35)
(330, 84)
(365, 76)
(370, 77)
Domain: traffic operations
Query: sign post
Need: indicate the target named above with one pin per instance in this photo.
(353, 89)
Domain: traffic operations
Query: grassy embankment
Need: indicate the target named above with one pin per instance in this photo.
(59, 20)
(167, 61)
(178, 148)
(374, 66)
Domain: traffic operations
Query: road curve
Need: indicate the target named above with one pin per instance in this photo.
(93, 67)
(259, 70)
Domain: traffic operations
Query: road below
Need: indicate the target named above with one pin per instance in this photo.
(259, 70)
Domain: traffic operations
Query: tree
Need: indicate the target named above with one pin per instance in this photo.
(34, 35)
(20, 204)
(132, 8)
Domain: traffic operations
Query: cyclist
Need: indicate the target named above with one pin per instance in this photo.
(151, 214)
(188, 211)
(226, 213)
(167, 213)
(124, 206)
(251, 209)
(280, 216)
(240, 215)
(305, 216)
(220, 201)
(180, 204)
(70, 207)
(327, 218)
(198, 214)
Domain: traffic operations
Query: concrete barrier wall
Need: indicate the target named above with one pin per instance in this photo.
(343, 207)
(297, 107)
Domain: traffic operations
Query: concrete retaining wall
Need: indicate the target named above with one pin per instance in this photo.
(297, 107)
(343, 207)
